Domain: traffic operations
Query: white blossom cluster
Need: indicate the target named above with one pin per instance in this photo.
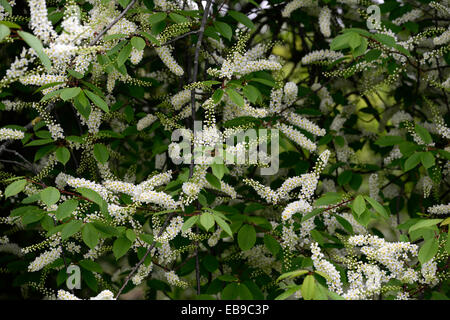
(439, 209)
(45, 259)
(319, 55)
(324, 21)
(238, 64)
(296, 4)
(104, 295)
(11, 134)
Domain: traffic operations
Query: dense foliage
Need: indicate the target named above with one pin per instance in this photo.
(354, 94)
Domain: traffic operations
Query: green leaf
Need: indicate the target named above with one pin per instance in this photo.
(412, 161)
(344, 223)
(378, 207)
(151, 38)
(101, 153)
(50, 195)
(240, 121)
(50, 95)
(157, 17)
(219, 170)
(33, 216)
(292, 274)
(217, 96)
(147, 238)
(289, 292)
(344, 177)
(385, 39)
(99, 102)
(339, 141)
(82, 105)
(69, 93)
(210, 263)
(36, 44)
(327, 199)
(124, 3)
(244, 293)
(90, 265)
(121, 246)
(222, 224)
(138, 43)
(9, 24)
(178, 18)
(271, 244)
(227, 278)
(4, 32)
(428, 250)
(346, 40)
(359, 205)
(71, 228)
(39, 142)
(106, 229)
(224, 29)
(75, 74)
(423, 134)
(424, 224)
(360, 49)
(95, 197)
(308, 288)
(21, 211)
(6, 6)
(213, 181)
(235, 97)
(246, 237)
(130, 235)
(251, 93)
(124, 54)
(207, 220)
(427, 159)
(373, 55)
(242, 18)
(230, 292)
(66, 208)
(90, 235)
(15, 187)
(62, 155)
(385, 141)
(364, 217)
(189, 223)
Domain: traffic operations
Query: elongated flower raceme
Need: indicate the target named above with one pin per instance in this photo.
(11, 134)
(104, 295)
(165, 54)
(297, 137)
(39, 21)
(353, 132)
(439, 209)
(324, 21)
(319, 55)
(180, 99)
(300, 206)
(146, 121)
(45, 259)
(296, 4)
(160, 198)
(304, 123)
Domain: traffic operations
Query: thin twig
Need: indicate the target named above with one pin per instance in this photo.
(194, 79)
(109, 26)
(145, 255)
